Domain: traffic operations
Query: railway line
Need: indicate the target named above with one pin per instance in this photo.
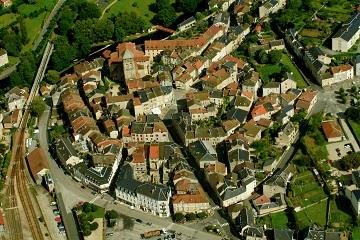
(17, 182)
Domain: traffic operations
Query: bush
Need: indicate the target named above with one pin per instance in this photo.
(178, 217)
(94, 226)
(87, 233)
(202, 215)
(90, 217)
(190, 217)
(112, 214)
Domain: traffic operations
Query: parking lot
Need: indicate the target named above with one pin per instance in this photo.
(339, 149)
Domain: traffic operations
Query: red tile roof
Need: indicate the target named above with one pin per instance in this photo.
(37, 161)
(258, 111)
(342, 68)
(154, 152)
(331, 129)
(262, 200)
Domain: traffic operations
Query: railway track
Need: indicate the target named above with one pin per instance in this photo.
(21, 185)
(17, 184)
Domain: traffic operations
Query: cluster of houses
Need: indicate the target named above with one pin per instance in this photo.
(318, 63)
(120, 124)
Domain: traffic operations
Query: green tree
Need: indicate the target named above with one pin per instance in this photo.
(178, 217)
(88, 10)
(275, 56)
(187, 6)
(63, 55)
(190, 217)
(120, 34)
(202, 215)
(94, 226)
(262, 57)
(103, 30)
(23, 31)
(66, 21)
(165, 16)
(112, 214)
(294, 4)
(52, 76)
(90, 217)
(37, 106)
(12, 43)
(87, 207)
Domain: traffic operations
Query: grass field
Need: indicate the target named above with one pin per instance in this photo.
(279, 220)
(7, 19)
(299, 79)
(338, 217)
(99, 213)
(29, 8)
(33, 25)
(313, 215)
(141, 8)
(355, 128)
(305, 190)
(267, 70)
(355, 233)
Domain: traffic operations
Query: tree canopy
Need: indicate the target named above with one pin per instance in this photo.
(37, 106)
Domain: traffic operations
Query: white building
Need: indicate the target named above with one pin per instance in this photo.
(271, 87)
(271, 6)
(357, 65)
(347, 35)
(3, 57)
(16, 98)
(287, 83)
(147, 197)
(153, 100)
(342, 73)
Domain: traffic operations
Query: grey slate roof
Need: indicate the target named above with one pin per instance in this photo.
(127, 183)
(187, 21)
(64, 150)
(98, 175)
(349, 28)
(238, 114)
(246, 218)
(283, 234)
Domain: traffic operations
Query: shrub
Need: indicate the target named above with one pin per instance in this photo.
(202, 215)
(112, 214)
(190, 216)
(178, 217)
(94, 226)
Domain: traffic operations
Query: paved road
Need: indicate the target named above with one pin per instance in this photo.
(74, 193)
(47, 23)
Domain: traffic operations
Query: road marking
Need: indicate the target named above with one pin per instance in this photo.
(11, 208)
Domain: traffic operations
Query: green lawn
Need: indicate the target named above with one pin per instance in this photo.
(313, 215)
(34, 26)
(355, 233)
(267, 70)
(355, 128)
(298, 77)
(7, 19)
(99, 213)
(29, 8)
(141, 9)
(305, 190)
(339, 218)
(279, 220)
